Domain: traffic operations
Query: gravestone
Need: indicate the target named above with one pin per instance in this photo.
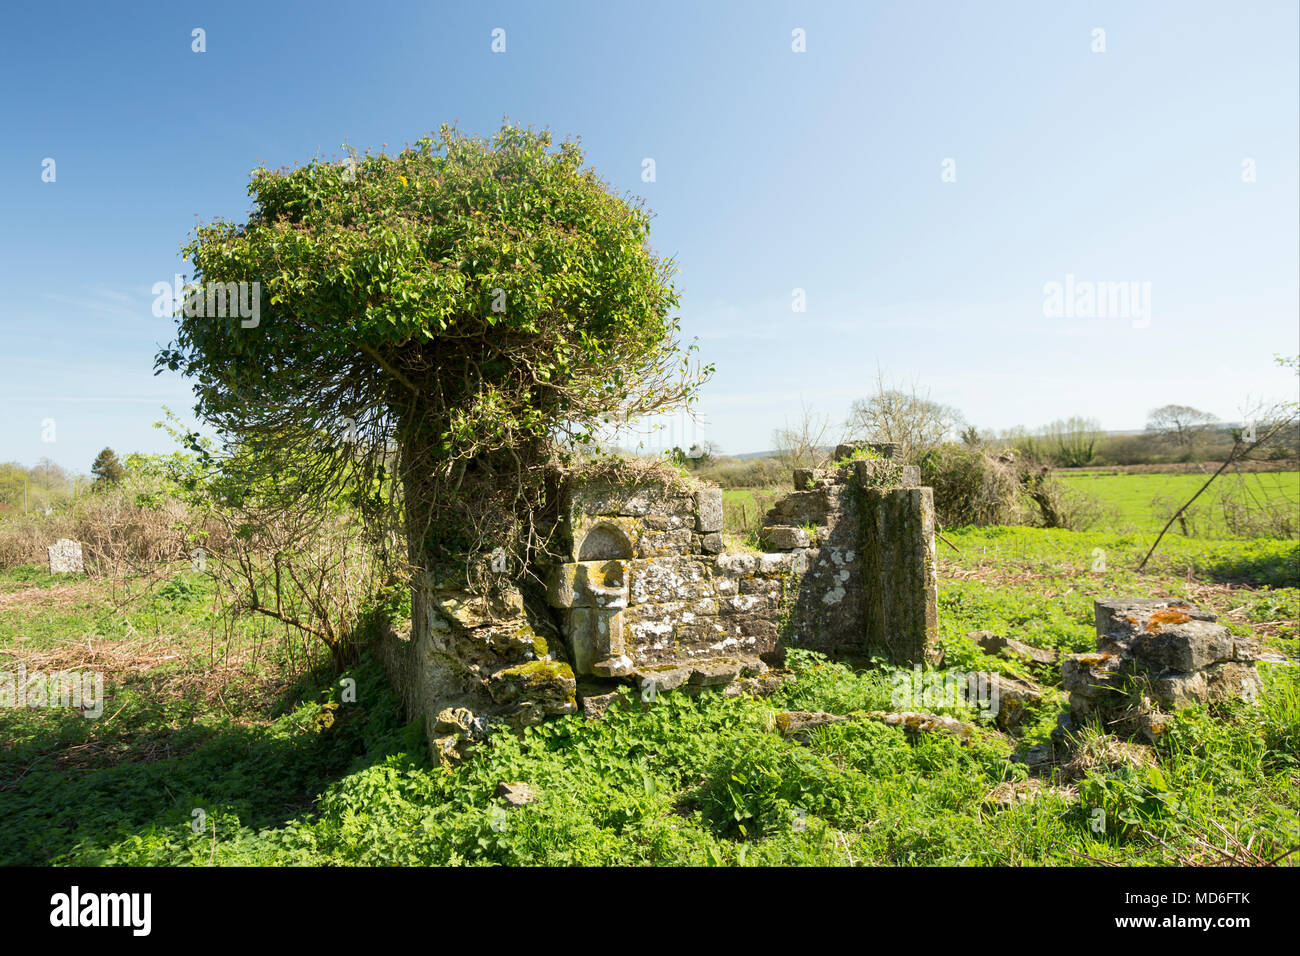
(65, 557)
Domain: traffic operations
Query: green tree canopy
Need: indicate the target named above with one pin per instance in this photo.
(107, 469)
(456, 312)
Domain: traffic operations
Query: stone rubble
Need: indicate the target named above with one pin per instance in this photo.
(1156, 656)
(798, 723)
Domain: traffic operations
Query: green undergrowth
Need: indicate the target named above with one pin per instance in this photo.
(700, 781)
(285, 767)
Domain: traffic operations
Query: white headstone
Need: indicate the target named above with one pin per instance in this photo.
(65, 557)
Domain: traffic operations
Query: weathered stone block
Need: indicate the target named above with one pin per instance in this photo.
(597, 699)
(1128, 616)
(651, 625)
(604, 498)
(653, 680)
(65, 557)
(516, 793)
(1233, 679)
(655, 544)
(711, 543)
(1091, 675)
(878, 472)
(546, 683)
(1012, 699)
(1157, 655)
(708, 510)
(588, 584)
(780, 537)
(461, 722)
(1184, 646)
(660, 580)
(666, 522)
(620, 666)
(807, 479)
(1176, 691)
(805, 507)
(720, 670)
(594, 634)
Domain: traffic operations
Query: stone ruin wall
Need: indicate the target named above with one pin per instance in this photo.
(641, 590)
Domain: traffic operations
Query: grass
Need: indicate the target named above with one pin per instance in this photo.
(743, 509)
(245, 753)
(1136, 503)
(1145, 502)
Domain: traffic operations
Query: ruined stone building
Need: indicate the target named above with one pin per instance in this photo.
(642, 588)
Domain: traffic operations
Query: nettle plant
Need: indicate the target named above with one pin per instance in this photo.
(436, 326)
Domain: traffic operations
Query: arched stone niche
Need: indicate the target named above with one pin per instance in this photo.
(605, 542)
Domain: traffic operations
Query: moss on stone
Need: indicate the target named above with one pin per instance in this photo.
(539, 669)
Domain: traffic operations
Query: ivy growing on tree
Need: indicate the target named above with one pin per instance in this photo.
(436, 326)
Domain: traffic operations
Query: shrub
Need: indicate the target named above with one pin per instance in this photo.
(973, 486)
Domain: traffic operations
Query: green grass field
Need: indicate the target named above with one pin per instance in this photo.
(1128, 503)
(1145, 502)
(239, 752)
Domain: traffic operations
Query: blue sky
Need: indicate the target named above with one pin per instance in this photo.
(775, 171)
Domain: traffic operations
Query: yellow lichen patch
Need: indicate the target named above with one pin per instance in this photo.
(1101, 657)
(1167, 616)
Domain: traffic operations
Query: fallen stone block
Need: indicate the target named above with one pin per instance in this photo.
(1014, 697)
(655, 680)
(596, 698)
(516, 793)
(714, 672)
(924, 723)
(1011, 793)
(620, 666)
(793, 723)
(1010, 649)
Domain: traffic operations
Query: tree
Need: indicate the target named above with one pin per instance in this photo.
(1266, 428)
(434, 326)
(701, 454)
(1072, 442)
(1182, 426)
(107, 469)
(914, 421)
(13, 479)
(802, 444)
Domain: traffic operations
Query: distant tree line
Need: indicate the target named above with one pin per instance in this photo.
(47, 484)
